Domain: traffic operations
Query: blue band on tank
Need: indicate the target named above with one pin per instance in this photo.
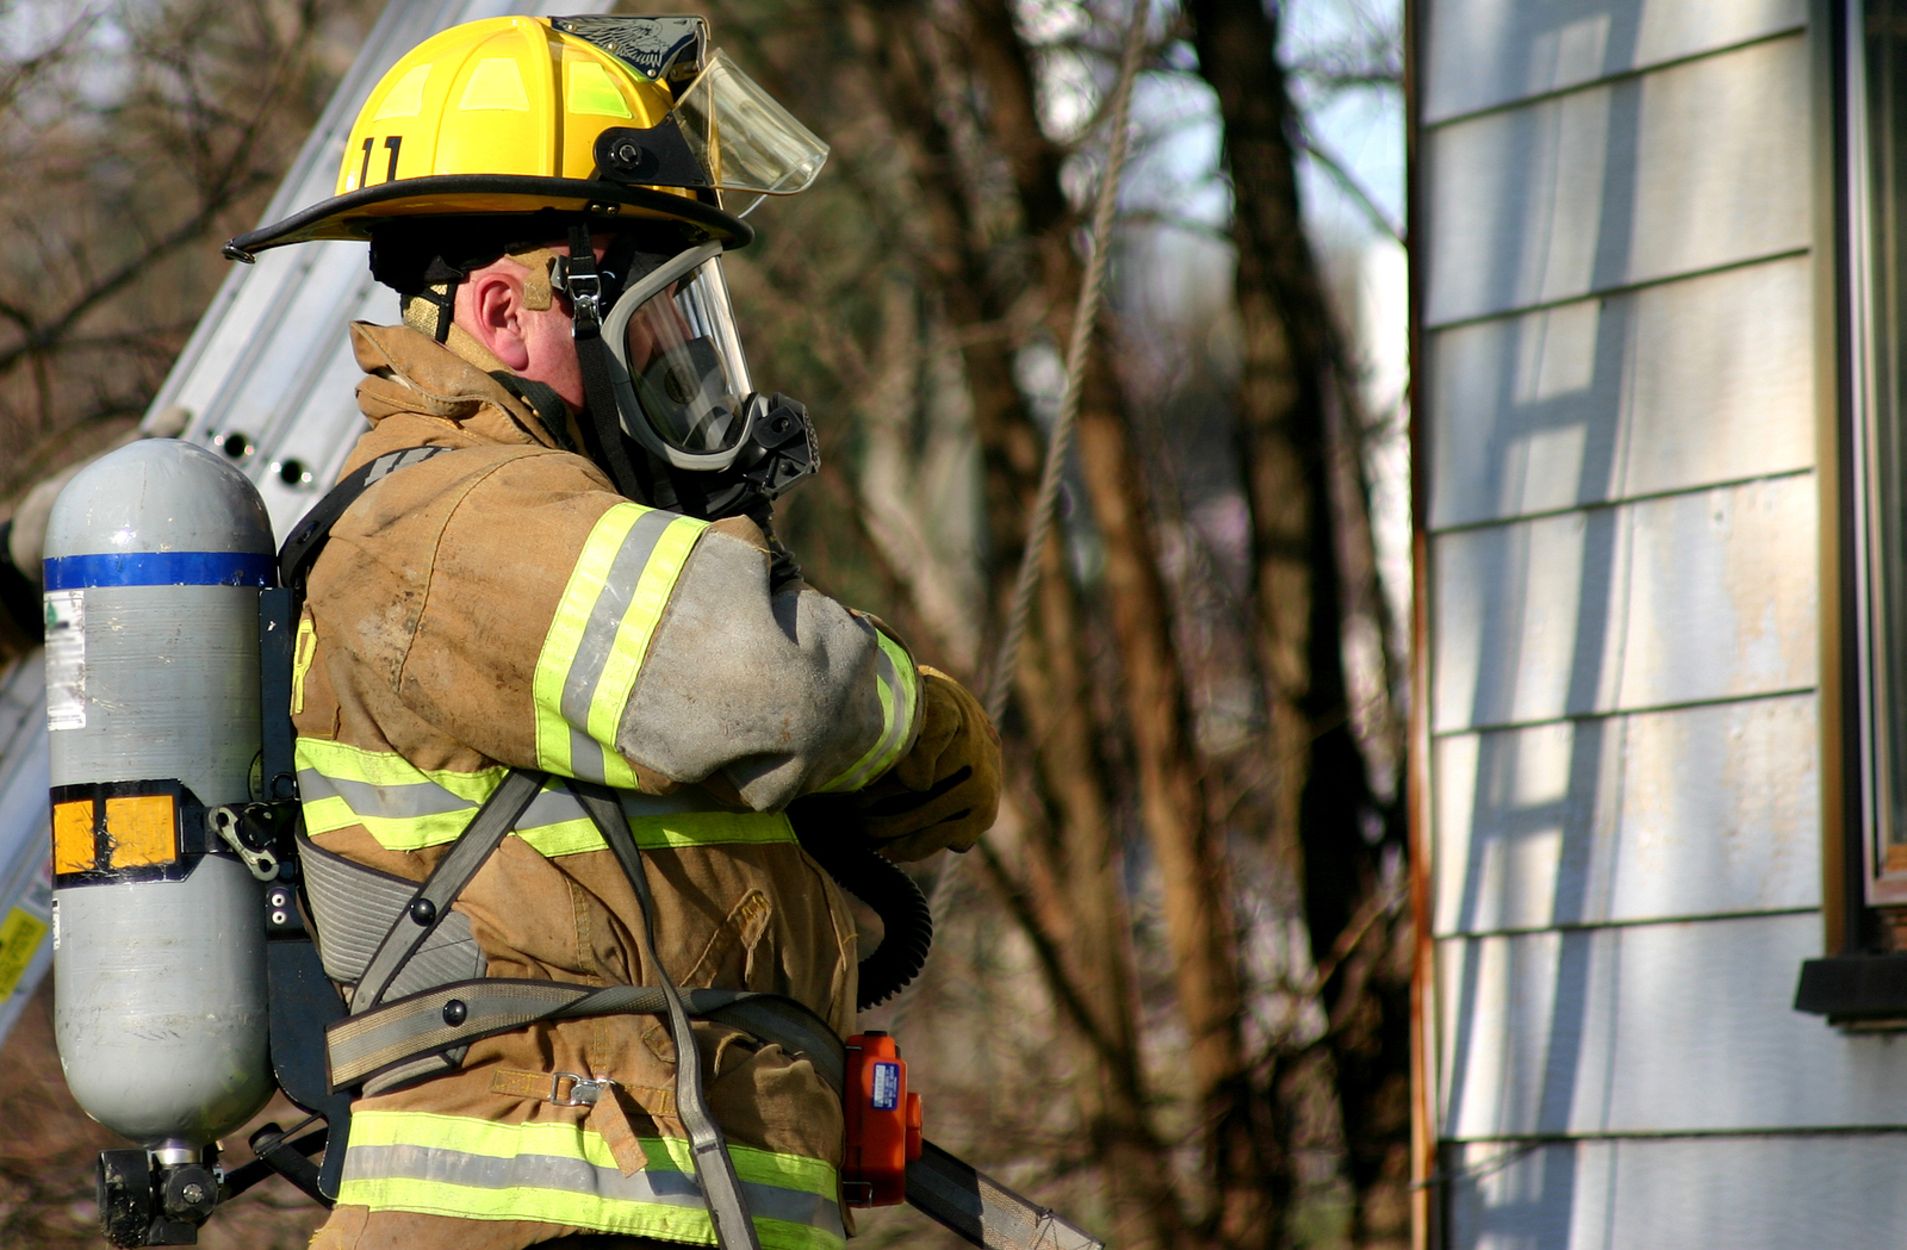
(160, 568)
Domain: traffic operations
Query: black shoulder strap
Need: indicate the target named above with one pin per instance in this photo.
(308, 537)
(279, 607)
(542, 400)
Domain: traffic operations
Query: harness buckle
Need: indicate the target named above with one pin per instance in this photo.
(584, 1091)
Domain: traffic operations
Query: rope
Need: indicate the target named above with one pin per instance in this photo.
(1085, 317)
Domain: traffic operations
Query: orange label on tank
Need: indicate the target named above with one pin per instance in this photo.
(20, 936)
(140, 828)
(73, 841)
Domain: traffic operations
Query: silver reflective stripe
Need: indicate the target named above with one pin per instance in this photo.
(897, 709)
(899, 720)
(425, 798)
(390, 462)
(399, 802)
(598, 640)
(654, 1186)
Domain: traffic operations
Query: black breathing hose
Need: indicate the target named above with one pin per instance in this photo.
(907, 923)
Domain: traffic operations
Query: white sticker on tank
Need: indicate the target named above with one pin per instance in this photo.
(65, 659)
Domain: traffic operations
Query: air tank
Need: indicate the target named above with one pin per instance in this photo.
(155, 556)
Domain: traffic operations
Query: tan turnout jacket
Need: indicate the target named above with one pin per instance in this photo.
(501, 606)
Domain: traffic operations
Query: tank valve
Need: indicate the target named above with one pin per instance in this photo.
(144, 1202)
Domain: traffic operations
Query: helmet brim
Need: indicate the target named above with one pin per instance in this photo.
(357, 214)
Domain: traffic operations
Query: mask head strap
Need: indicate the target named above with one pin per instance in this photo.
(602, 424)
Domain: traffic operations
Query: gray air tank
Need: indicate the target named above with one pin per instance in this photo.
(155, 555)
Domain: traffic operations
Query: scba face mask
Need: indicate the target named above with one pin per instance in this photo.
(681, 387)
(683, 382)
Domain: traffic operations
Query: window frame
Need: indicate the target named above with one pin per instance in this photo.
(1865, 365)
(1861, 982)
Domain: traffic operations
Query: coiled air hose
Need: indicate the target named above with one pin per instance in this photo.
(907, 922)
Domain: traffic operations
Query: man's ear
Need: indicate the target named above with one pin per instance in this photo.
(496, 315)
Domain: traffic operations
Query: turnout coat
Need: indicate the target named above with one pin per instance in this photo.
(500, 606)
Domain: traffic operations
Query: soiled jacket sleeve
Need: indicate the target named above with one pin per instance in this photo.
(515, 604)
(779, 694)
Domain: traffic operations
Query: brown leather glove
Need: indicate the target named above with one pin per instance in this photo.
(945, 792)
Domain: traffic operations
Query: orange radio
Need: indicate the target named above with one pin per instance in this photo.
(883, 1122)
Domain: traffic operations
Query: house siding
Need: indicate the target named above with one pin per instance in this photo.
(1619, 414)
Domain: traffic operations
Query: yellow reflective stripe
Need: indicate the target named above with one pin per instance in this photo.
(327, 815)
(304, 651)
(568, 837)
(399, 833)
(566, 630)
(574, 1210)
(675, 831)
(598, 636)
(407, 809)
(439, 1164)
(619, 773)
(387, 768)
(470, 1135)
(452, 797)
(637, 629)
(898, 684)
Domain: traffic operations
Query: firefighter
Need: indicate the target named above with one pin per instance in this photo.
(582, 582)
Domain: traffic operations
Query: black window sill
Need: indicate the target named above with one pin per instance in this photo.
(1867, 993)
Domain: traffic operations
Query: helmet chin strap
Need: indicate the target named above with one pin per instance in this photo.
(601, 426)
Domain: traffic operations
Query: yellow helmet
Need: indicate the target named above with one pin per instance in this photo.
(613, 118)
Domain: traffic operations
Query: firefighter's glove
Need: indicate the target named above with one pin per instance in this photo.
(945, 792)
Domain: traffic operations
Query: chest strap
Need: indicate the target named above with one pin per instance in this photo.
(376, 1041)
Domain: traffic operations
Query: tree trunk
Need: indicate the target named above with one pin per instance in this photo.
(1247, 1166)
(1322, 797)
(1075, 879)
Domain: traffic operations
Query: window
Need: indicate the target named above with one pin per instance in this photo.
(1875, 283)
(1864, 980)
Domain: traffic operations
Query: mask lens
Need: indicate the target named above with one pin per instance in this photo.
(685, 364)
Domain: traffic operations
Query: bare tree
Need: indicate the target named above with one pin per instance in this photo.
(1323, 801)
(1102, 1022)
(137, 137)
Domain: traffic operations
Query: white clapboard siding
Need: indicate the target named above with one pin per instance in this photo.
(1481, 53)
(1678, 1027)
(1662, 388)
(1685, 598)
(1696, 811)
(1731, 1193)
(1699, 165)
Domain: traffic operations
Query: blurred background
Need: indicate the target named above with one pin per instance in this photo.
(1170, 995)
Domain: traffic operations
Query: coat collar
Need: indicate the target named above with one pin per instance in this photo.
(409, 372)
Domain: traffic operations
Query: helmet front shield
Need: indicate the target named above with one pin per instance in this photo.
(744, 138)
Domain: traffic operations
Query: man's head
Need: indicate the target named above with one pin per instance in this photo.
(551, 195)
(669, 367)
